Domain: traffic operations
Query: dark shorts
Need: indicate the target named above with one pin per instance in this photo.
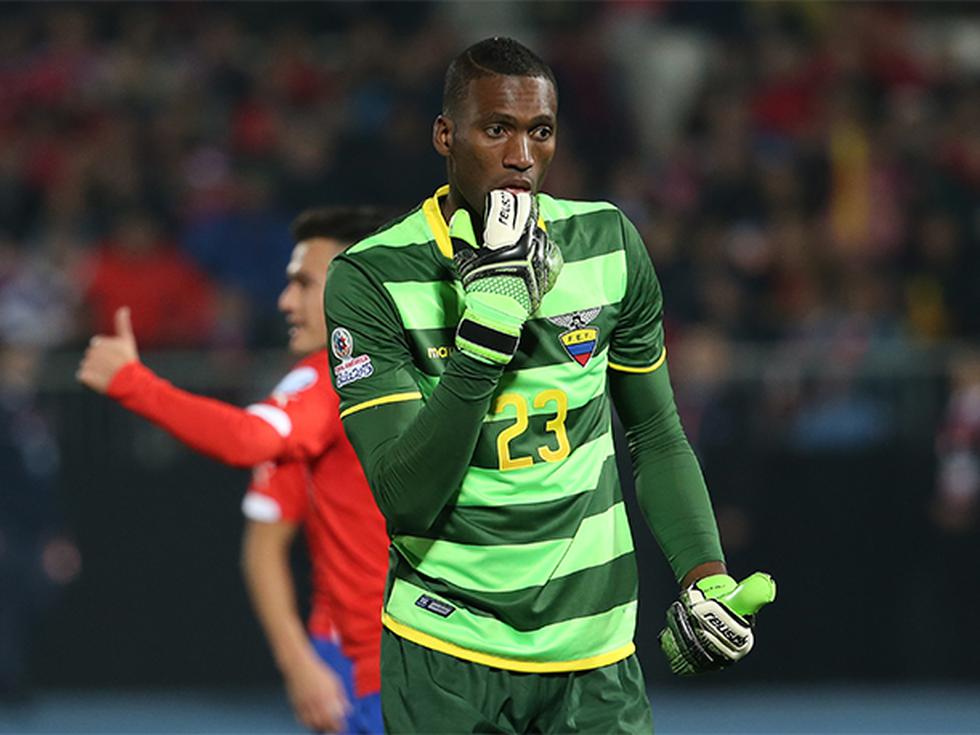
(425, 691)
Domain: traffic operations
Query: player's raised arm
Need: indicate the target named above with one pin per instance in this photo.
(232, 435)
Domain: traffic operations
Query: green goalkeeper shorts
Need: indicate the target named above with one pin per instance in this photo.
(425, 691)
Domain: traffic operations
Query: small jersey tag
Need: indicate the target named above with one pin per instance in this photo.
(443, 609)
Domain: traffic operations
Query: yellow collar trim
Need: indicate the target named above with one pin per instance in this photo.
(437, 223)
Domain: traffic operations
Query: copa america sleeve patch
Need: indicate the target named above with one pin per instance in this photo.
(350, 368)
(341, 344)
(356, 368)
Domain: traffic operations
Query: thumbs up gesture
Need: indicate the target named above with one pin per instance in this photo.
(108, 353)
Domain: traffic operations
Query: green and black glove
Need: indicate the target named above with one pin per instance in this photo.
(505, 274)
(710, 626)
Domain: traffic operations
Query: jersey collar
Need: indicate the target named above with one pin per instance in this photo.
(436, 222)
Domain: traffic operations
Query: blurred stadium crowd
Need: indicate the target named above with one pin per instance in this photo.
(806, 177)
(798, 170)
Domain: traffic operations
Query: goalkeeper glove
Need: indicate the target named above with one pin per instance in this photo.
(710, 626)
(505, 276)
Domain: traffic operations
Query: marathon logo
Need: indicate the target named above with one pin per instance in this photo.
(442, 609)
(727, 633)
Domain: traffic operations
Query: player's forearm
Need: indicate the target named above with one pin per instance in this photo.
(415, 456)
(669, 484)
(269, 579)
(221, 431)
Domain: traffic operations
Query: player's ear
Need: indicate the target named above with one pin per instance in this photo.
(442, 135)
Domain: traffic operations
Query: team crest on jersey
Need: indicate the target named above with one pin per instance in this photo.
(578, 339)
(341, 343)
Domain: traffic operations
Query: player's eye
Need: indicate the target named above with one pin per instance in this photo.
(542, 133)
(495, 131)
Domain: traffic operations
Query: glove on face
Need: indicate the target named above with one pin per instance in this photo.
(711, 626)
(505, 277)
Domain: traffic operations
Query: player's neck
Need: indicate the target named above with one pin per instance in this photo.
(450, 203)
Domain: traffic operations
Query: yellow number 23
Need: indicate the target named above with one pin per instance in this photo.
(555, 425)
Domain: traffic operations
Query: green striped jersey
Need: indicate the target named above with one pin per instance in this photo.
(531, 567)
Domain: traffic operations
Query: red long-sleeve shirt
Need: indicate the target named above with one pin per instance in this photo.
(305, 472)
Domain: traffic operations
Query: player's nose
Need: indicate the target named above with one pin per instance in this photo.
(517, 154)
(285, 300)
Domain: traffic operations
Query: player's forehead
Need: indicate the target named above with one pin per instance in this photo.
(519, 97)
(312, 256)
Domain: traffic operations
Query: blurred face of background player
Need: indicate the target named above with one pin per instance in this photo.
(501, 135)
(302, 299)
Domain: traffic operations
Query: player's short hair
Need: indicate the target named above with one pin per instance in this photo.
(344, 224)
(491, 56)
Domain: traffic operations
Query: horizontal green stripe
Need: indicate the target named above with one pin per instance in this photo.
(586, 283)
(563, 641)
(589, 234)
(540, 345)
(472, 567)
(507, 567)
(583, 593)
(411, 229)
(420, 262)
(538, 483)
(583, 230)
(579, 384)
(525, 523)
(435, 304)
(428, 304)
(552, 209)
(582, 424)
(600, 539)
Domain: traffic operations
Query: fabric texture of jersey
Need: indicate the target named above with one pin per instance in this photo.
(324, 488)
(531, 567)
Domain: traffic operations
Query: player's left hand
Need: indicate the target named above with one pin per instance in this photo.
(108, 353)
(711, 626)
(318, 697)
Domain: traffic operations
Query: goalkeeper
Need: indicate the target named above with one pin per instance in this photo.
(475, 345)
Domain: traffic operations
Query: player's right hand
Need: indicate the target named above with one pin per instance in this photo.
(505, 274)
(107, 354)
(318, 697)
(711, 626)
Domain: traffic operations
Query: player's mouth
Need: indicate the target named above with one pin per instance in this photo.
(516, 185)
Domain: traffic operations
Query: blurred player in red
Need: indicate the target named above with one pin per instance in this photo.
(305, 474)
